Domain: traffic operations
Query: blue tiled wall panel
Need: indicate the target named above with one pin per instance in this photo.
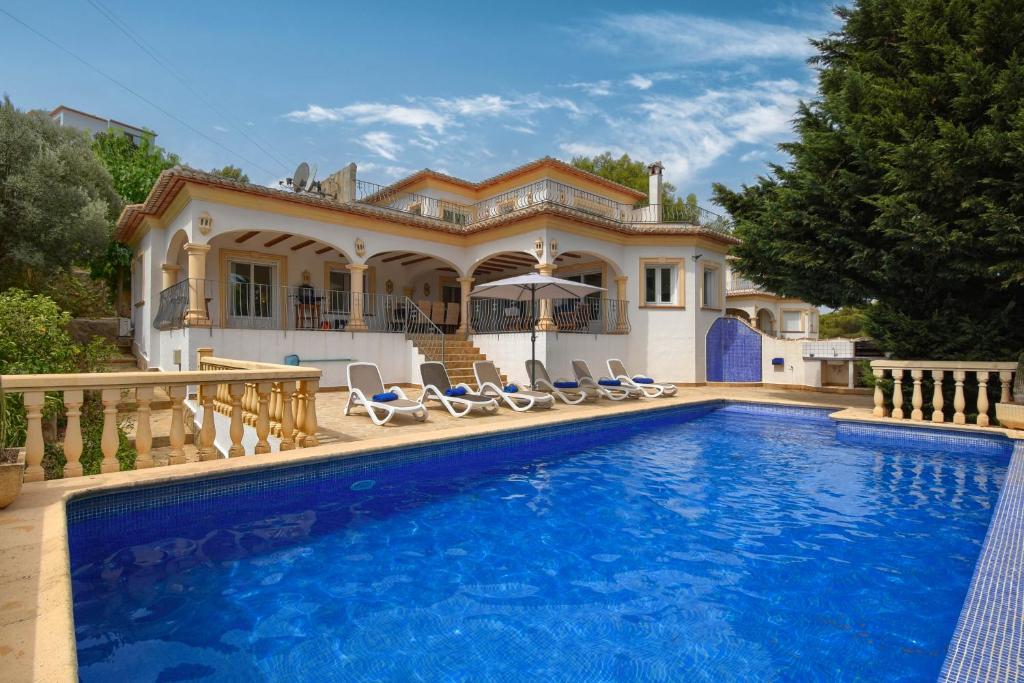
(733, 352)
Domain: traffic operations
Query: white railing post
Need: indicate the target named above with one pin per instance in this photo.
(982, 376)
(937, 401)
(897, 394)
(73, 399)
(143, 428)
(959, 403)
(879, 396)
(917, 400)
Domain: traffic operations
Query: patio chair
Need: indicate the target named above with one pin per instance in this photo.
(438, 386)
(366, 388)
(568, 391)
(437, 313)
(642, 382)
(606, 387)
(489, 382)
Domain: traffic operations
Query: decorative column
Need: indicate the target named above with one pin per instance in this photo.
(176, 456)
(621, 316)
(34, 435)
(308, 389)
(208, 429)
(262, 417)
(143, 428)
(897, 394)
(355, 318)
(465, 287)
(937, 401)
(917, 400)
(73, 434)
(879, 410)
(959, 402)
(196, 315)
(110, 440)
(546, 321)
(170, 274)
(982, 376)
(235, 390)
(287, 418)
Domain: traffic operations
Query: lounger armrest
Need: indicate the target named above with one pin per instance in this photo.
(543, 383)
(463, 385)
(398, 391)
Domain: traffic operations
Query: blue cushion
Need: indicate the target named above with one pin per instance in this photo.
(610, 382)
(455, 391)
(567, 385)
(643, 380)
(291, 359)
(511, 389)
(385, 397)
(778, 361)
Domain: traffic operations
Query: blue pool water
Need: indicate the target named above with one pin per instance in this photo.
(710, 544)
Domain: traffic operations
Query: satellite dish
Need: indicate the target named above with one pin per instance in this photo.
(311, 184)
(300, 177)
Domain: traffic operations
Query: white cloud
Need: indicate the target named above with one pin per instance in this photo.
(753, 155)
(382, 144)
(370, 113)
(222, 129)
(686, 38)
(640, 82)
(526, 130)
(594, 88)
(481, 105)
(689, 134)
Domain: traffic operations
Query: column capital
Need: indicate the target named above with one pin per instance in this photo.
(195, 248)
(621, 278)
(356, 266)
(466, 280)
(545, 268)
(170, 267)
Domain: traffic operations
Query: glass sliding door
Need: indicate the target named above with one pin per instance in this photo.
(252, 294)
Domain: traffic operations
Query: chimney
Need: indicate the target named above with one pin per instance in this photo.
(341, 185)
(654, 187)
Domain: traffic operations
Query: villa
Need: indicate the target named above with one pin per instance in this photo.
(351, 270)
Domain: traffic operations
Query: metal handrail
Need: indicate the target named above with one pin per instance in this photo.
(423, 331)
(535, 194)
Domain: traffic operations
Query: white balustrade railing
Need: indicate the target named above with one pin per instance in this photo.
(278, 399)
(939, 372)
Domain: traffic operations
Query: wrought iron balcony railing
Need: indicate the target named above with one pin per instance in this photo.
(589, 315)
(537, 194)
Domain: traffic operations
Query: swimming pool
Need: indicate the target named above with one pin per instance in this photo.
(718, 542)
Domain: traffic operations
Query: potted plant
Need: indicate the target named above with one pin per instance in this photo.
(12, 472)
(1011, 415)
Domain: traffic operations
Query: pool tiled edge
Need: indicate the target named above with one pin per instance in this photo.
(988, 643)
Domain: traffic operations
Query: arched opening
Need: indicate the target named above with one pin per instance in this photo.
(766, 322)
(600, 312)
(430, 282)
(739, 313)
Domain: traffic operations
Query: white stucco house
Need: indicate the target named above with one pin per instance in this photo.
(359, 271)
(91, 123)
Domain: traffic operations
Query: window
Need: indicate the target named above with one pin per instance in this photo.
(339, 284)
(591, 304)
(659, 289)
(253, 287)
(710, 296)
(792, 321)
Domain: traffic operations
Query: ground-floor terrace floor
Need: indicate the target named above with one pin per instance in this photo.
(37, 639)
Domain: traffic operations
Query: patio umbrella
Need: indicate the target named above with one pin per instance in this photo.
(531, 287)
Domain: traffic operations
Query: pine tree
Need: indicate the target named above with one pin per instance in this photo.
(906, 182)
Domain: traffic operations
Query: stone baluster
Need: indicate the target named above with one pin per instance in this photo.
(937, 401)
(275, 409)
(34, 436)
(300, 415)
(249, 404)
(983, 420)
(1005, 380)
(262, 417)
(916, 401)
(897, 394)
(309, 424)
(110, 440)
(177, 435)
(73, 434)
(958, 398)
(879, 410)
(208, 430)
(143, 428)
(287, 418)
(235, 390)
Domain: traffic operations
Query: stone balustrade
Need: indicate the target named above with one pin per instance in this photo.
(940, 372)
(278, 399)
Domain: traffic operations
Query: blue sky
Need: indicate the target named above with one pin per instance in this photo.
(470, 89)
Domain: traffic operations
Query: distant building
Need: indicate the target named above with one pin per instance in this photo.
(80, 120)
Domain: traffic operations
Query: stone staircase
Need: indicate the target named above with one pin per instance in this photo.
(459, 354)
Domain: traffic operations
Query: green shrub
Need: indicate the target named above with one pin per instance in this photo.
(79, 294)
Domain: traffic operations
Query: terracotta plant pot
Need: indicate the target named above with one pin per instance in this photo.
(12, 473)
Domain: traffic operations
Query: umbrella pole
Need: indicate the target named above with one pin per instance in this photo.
(533, 336)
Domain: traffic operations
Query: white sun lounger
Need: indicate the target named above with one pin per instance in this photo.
(651, 389)
(542, 382)
(436, 382)
(614, 393)
(364, 382)
(489, 383)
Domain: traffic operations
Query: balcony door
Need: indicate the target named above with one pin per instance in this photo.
(252, 295)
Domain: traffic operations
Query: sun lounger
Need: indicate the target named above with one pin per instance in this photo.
(489, 383)
(606, 387)
(438, 386)
(366, 388)
(642, 382)
(560, 387)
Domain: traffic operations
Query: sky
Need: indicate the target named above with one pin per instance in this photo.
(469, 89)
